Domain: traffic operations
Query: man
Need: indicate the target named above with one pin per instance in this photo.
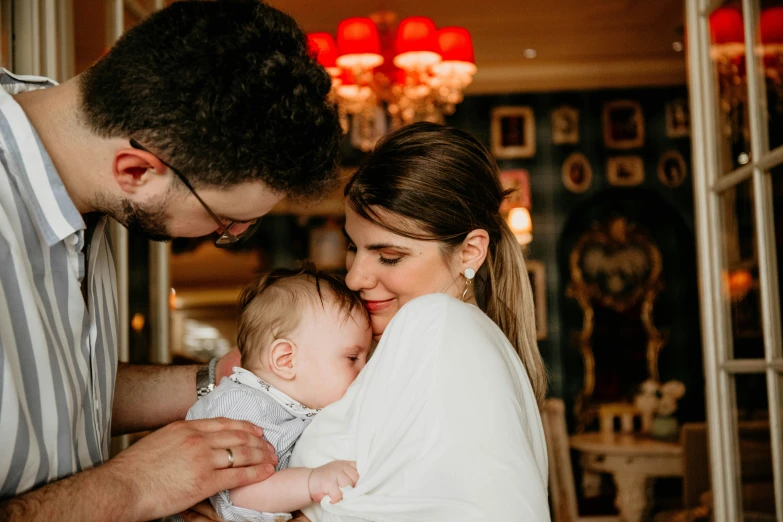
(198, 120)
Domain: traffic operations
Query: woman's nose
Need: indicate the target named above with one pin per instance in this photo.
(357, 278)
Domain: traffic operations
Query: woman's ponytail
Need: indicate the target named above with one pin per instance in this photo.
(509, 302)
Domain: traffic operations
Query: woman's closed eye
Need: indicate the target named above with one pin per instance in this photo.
(389, 260)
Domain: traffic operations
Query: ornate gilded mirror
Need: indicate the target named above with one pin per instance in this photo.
(615, 270)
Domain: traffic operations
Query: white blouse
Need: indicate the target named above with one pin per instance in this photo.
(442, 423)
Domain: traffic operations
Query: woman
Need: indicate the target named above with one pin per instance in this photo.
(443, 422)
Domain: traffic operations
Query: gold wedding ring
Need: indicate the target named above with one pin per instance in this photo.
(230, 458)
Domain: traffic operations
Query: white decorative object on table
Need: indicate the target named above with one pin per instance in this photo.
(657, 404)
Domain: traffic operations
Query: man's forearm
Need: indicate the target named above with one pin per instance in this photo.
(148, 397)
(93, 495)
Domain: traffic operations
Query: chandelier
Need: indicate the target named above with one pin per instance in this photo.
(728, 53)
(386, 75)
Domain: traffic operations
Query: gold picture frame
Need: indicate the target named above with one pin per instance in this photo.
(536, 271)
(577, 173)
(565, 126)
(671, 169)
(513, 132)
(623, 124)
(625, 171)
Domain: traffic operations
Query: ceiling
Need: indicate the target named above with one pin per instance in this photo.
(579, 44)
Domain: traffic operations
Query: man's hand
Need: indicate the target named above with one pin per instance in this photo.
(185, 462)
(329, 478)
(201, 512)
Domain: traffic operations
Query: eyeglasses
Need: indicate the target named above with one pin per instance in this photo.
(226, 238)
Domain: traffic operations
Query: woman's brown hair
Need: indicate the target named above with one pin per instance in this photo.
(446, 183)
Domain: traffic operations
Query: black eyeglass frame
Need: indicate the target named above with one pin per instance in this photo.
(226, 238)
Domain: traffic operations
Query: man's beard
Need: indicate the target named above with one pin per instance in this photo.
(149, 222)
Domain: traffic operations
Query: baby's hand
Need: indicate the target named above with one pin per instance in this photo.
(329, 478)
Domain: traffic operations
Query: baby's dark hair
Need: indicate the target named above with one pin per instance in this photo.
(271, 307)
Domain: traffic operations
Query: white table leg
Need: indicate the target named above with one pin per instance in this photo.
(631, 498)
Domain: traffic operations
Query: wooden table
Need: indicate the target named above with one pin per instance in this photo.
(632, 460)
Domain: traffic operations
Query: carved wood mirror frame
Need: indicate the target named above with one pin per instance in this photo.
(614, 235)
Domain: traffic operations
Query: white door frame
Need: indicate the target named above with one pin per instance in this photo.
(719, 366)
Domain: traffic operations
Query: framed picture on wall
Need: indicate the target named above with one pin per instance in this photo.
(565, 126)
(678, 119)
(625, 171)
(518, 182)
(513, 132)
(536, 271)
(623, 124)
(671, 169)
(577, 173)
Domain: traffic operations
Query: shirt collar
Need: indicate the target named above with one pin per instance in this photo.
(294, 407)
(51, 209)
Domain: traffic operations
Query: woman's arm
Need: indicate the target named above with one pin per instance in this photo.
(294, 488)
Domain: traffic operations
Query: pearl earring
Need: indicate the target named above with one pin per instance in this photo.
(469, 275)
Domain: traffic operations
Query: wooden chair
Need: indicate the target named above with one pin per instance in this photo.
(561, 473)
(756, 471)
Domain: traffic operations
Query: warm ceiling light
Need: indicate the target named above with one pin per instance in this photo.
(456, 50)
(416, 44)
(388, 75)
(323, 46)
(359, 44)
(728, 33)
(529, 53)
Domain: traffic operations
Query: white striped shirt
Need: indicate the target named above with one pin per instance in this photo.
(58, 356)
(244, 396)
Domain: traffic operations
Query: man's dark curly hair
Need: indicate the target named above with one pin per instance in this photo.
(225, 91)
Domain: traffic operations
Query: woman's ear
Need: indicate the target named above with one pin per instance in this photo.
(474, 250)
(281, 359)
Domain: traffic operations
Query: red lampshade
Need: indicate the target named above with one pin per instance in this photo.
(323, 47)
(455, 44)
(416, 43)
(358, 44)
(771, 25)
(456, 48)
(726, 26)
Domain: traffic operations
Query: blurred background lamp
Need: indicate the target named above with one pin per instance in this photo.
(521, 225)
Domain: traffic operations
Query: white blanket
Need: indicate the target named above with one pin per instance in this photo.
(442, 424)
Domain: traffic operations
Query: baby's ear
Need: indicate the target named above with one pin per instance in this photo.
(281, 358)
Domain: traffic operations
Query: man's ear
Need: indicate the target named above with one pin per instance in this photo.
(281, 358)
(133, 168)
(474, 250)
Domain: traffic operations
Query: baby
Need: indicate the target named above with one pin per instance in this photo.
(304, 337)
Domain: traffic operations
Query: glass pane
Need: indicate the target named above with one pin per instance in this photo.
(727, 49)
(777, 215)
(769, 39)
(741, 276)
(755, 449)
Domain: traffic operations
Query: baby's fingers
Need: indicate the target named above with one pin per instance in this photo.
(345, 480)
(352, 473)
(335, 495)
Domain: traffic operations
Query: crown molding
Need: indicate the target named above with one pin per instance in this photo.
(530, 76)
